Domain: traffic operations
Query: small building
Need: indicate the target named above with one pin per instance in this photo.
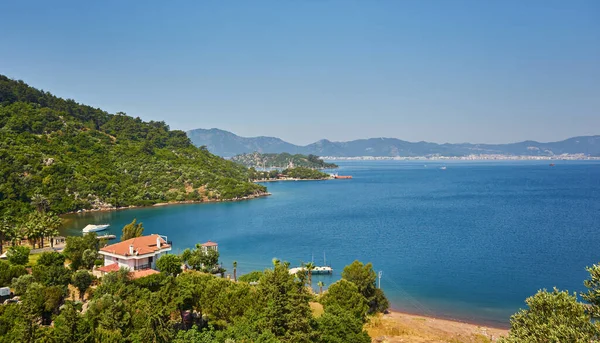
(209, 246)
(136, 254)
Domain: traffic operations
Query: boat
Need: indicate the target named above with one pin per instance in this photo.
(316, 271)
(336, 176)
(94, 228)
(552, 164)
(443, 168)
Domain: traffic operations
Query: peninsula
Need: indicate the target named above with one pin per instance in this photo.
(281, 161)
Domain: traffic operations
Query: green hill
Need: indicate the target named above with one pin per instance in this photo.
(79, 157)
(283, 160)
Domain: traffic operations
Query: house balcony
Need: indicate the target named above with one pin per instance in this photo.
(142, 266)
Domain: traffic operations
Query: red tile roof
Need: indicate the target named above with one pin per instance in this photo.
(141, 246)
(114, 267)
(141, 273)
(209, 244)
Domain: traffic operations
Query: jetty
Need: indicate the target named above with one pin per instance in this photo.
(324, 270)
(107, 237)
(341, 177)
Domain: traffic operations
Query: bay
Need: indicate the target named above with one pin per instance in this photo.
(470, 242)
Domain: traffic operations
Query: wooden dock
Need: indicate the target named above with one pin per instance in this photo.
(107, 237)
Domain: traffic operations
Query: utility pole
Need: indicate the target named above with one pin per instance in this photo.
(379, 275)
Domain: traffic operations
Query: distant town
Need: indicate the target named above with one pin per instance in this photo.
(498, 157)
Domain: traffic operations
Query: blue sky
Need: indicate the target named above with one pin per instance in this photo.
(440, 71)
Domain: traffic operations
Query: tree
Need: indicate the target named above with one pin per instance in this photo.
(18, 255)
(40, 202)
(169, 264)
(253, 276)
(8, 272)
(88, 258)
(339, 326)
(21, 283)
(50, 270)
(320, 284)
(552, 317)
(345, 295)
(234, 270)
(310, 266)
(82, 280)
(197, 259)
(364, 277)
(285, 301)
(593, 285)
(132, 230)
(76, 245)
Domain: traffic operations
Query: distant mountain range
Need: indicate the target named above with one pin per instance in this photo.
(227, 144)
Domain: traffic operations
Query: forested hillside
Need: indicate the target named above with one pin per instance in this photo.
(283, 160)
(79, 157)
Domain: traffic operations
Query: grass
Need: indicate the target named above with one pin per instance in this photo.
(33, 258)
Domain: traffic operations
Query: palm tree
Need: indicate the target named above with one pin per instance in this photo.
(309, 267)
(234, 270)
(320, 284)
(51, 224)
(40, 202)
(5, 230)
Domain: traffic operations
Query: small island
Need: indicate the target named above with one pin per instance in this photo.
(289, 174)
(281, 161)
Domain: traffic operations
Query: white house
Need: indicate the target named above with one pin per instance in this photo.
(137, 254)
(209, 246)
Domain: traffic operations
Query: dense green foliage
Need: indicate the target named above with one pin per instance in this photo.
(301, 173)
(18, 255)
(281, 161)
(552, 317)
(169, 264)
(364, 277)
(79, 157)
(190, 307)
(132, 230)
(557, 316)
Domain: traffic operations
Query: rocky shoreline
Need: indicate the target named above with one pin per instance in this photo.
(114, 208)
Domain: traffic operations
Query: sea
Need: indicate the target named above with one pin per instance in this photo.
(460, 240)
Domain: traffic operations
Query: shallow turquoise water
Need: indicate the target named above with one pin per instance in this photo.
(470, 242)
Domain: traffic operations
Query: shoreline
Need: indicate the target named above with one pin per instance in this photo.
(277, 180)
(399, 326)
(159, 204)
(480, 323)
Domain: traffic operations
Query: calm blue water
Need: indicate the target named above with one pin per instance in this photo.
(470, 242)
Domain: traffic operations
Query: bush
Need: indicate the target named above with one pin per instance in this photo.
(18, 255)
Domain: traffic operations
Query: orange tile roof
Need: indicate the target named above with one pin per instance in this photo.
(114, 267)
(209, 244)
(141, 273)
(141, 246)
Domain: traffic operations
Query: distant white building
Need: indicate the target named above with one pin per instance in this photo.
(138, 254)
(209, 246)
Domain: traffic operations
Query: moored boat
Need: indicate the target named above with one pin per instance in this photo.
(94, 228)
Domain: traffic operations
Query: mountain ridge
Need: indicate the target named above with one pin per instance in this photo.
(228, 144)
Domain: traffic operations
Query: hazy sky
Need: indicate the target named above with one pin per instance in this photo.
(442, 71)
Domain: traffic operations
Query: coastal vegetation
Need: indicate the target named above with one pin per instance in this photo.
(299, 173)
(60, 303)
(61, 156)
(281, 161)
(558, 316)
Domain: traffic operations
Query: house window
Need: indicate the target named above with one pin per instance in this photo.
(150, 259)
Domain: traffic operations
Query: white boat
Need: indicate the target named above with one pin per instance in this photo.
(443, 168)
(93, 228)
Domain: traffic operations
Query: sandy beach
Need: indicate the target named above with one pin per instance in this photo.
(398, 327)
